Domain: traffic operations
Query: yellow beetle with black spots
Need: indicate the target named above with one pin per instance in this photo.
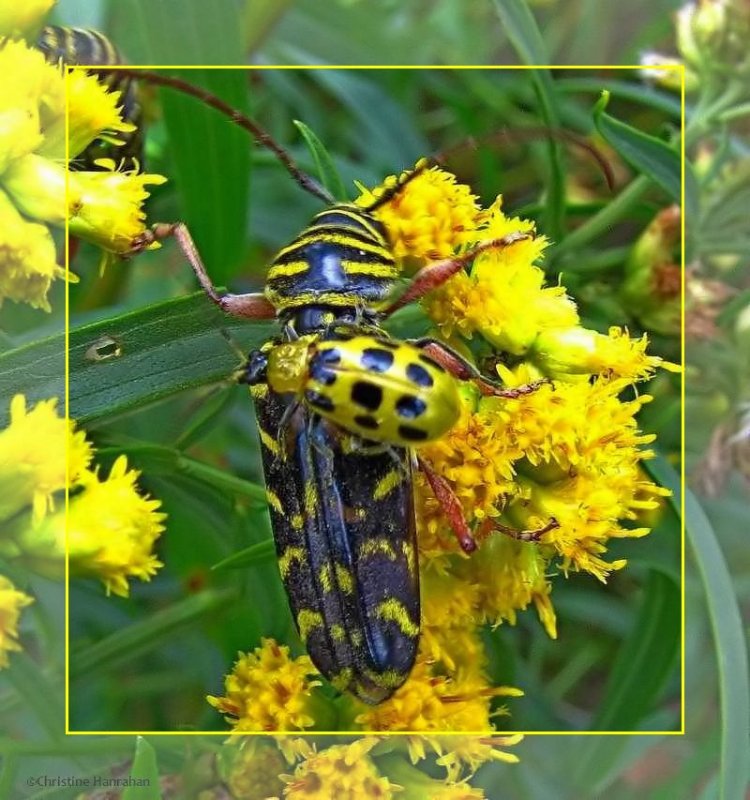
(380, 389)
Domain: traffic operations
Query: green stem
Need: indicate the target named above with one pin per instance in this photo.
(600, 223)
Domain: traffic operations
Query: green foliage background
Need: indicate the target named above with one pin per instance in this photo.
(147, 661)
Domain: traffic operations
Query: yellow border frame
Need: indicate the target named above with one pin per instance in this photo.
(680, 68)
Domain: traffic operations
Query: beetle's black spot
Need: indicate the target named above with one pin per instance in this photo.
(411, 434)
(419, 375)
(366, 421)
(367, 394)
(410, 407)
(431, 362)
(319, 401)
(321, 373)
(377, 360)
(332, 356)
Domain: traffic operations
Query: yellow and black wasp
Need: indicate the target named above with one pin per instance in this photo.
(341, 407)
(86, 47)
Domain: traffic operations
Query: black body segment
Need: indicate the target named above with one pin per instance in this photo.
(84, 47)
(343, 521)
(341, 260)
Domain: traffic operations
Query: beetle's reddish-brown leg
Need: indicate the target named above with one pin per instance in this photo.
(534, 535)
(464, 370)
(248, 306)
(437, 273)
(450, 505)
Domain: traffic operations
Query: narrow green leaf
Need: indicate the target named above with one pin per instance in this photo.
(211, 168)
(646, 659)
(649, 155)
(731, 651)
(521, 28)
(164, 349)
(179, 31)
(327, 172)
(40, 695)
(259, 553)
(145, 772)
(147, 634)
(729, 637)
(159, 460)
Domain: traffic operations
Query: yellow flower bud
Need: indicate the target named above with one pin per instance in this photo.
(105, 207)
(653, 275)
(37, 185)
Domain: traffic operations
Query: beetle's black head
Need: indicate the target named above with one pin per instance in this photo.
(255, 369)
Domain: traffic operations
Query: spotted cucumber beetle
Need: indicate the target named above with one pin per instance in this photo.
(341, 408)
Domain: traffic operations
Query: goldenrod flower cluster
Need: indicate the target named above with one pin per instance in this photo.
(103, 207)
(112, 527)
(268, 690)
(11, 602)
(568, 452)
(370, 768)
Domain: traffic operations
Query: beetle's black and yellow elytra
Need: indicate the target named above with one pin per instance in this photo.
(86, 47)
(344, 530)
(341, 260)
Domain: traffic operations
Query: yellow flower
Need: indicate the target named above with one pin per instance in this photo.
(113, 528)
(509, 575)
(457, 791)
(430, 701)
(429, 218)
(29, 102)
(255, 770)
(93, 113)
(343, 771)
(32, 457)
(11, 602)
(463, 755)
(28, 262)
(25, 19)
(106, 207)
(269, 691)
(503, 297)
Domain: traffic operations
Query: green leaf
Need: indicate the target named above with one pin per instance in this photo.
(148, 634)
(326, 169)
(145, 771)
(179, 31)
(164, 349)
(40, 692)
(35, 370)
(648, 155)
(211, 168)
(729, 637)
(521, 28)
(159, 460)
(646, 659)
(731, 651)
(259, 553)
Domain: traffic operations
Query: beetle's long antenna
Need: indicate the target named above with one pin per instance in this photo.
(262, 137)
(524, 134)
